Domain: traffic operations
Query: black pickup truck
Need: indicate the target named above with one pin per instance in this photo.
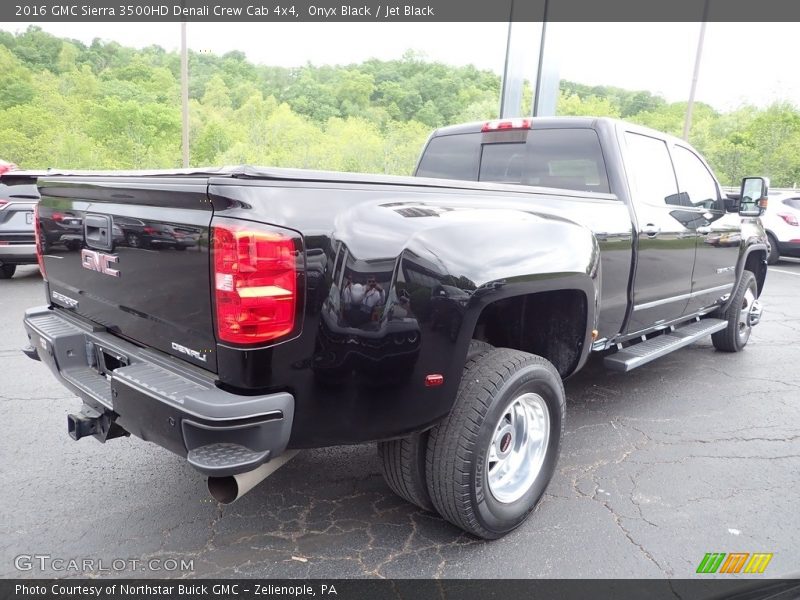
(436, 315)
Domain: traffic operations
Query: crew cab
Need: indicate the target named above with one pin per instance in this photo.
(436, 315)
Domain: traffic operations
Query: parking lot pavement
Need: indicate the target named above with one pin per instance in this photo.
(697, 452)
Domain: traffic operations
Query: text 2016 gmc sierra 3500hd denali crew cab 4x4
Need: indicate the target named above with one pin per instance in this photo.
(434, 315)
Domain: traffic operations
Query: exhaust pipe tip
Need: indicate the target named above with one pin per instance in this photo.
(223, 489)
(228, 489)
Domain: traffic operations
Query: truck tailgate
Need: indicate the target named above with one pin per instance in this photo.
(133, 256)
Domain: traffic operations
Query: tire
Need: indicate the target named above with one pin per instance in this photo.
(403, 461)
(774, 253)
(476, 349)
(403, 467)
(735, 336)
(472, 453)
(7, 271)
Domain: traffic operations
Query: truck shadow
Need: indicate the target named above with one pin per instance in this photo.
(328, 512)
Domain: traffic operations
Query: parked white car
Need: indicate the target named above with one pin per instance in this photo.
(781, 220)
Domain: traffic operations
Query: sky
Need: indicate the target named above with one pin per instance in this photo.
(742, 63)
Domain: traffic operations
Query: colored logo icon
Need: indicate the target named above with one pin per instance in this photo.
(735, 562)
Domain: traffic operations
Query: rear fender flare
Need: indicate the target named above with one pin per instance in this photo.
(495, 261)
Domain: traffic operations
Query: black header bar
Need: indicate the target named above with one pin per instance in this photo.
(339, 589)
(397, 10)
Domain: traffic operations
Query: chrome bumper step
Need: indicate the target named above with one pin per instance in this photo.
(226, 458)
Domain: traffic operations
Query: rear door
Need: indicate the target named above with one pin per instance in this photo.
(132, 254)
(666, 234)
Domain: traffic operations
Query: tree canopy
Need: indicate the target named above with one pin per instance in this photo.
(104, 106)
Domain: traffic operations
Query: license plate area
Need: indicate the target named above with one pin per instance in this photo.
(29, 217)
(105, 360)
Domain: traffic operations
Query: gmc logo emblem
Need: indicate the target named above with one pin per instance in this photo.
(97, 261)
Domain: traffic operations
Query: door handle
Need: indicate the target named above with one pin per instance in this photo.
(703, 230)
(650, 230)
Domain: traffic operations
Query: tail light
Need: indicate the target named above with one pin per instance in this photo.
(38, 237)
(3, 203)
(507, 124)
(255, 282)
(57, 217)
(149, 230)
(790, 219)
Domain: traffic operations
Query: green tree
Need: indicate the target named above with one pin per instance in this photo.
(69, 105)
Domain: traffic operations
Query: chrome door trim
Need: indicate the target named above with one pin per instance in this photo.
(654, 303)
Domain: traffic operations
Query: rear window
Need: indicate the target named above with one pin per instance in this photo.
(792, 203)
(19, 192)
(569, 159)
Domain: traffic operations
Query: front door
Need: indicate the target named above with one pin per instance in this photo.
(717, 236)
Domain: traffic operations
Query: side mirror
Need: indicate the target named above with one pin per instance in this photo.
(753, 196)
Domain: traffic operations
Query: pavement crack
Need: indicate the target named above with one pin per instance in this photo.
(751, 378)
(618, 521)
(636, 503)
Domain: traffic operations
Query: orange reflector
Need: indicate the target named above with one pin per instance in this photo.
(434, 379)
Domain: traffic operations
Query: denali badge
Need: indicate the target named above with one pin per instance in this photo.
(98, 261)
(189, 352)
(65, 300)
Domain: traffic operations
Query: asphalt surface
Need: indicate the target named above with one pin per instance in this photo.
(697, 452)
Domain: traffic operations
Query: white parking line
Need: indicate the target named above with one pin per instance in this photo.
(782, 271)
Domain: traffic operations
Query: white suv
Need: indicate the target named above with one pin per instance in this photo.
(782, 223)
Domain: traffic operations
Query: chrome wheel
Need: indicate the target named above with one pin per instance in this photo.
(518, 448)
(749, 315)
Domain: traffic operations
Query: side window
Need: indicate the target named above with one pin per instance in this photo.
(695, 181)
(650, 170)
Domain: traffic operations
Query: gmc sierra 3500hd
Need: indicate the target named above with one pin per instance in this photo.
(435, 316)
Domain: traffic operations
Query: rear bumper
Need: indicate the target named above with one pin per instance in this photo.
(158, 398)
(18, 254)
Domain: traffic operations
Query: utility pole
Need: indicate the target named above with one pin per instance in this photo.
(687, 123)
(545, 92)
(525, 43)
(184, 96)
